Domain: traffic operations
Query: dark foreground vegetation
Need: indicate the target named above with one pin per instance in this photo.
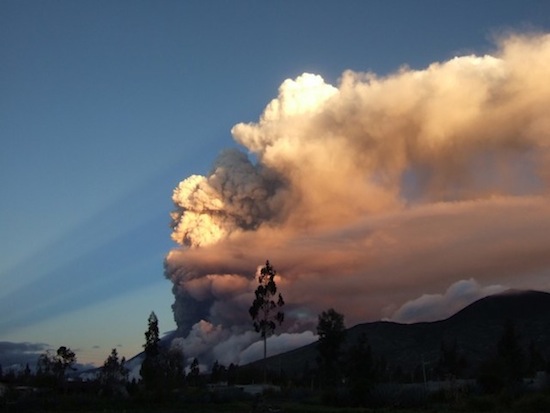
(341, 372)
(80, 397)
(344, 379)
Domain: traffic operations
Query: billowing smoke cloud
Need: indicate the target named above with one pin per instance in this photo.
(369, 194)
(433, 307)
(235, 196)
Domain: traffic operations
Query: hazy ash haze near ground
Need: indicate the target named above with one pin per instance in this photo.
(389, 158)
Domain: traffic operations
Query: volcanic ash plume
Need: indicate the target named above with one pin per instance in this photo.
(370, 194)
(235, 196)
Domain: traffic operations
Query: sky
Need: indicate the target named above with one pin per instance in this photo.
(388, 157)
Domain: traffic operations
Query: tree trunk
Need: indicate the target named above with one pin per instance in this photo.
(265, 359)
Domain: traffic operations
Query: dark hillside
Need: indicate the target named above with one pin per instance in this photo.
(476, 330)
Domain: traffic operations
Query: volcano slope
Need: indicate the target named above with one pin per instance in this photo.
(476, 329)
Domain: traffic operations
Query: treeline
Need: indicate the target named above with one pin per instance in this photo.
(348, 372)
(344, 371)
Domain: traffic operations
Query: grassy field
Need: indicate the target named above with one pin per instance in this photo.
(239, 408)
(535, 404)
(504, 402)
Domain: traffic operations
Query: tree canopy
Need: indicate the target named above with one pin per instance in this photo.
(332, 333)
(266, 308)
(264, 305)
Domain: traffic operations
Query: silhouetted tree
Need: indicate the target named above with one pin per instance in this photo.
(26, 375)
(150, 368)
(265, 310)
(505, 370)
(162, 369)
(51, 368)
(65, 360)
(308, 375)
(27, 372)
(219, 373)
(536, 359)
(232, 374)
(194, 373)
(450, 363)
(152, 338)
(332, 333)
(113, 374)
(510, 354)
(359, 369)
(45, 367)
(173, 367)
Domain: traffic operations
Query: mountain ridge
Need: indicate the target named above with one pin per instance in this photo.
(476, 329)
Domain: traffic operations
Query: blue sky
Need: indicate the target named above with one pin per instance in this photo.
(106, 105)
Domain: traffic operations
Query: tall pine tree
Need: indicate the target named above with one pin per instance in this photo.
(150, 367)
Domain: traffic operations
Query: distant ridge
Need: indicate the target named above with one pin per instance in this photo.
(476, 330)
(513, 304)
